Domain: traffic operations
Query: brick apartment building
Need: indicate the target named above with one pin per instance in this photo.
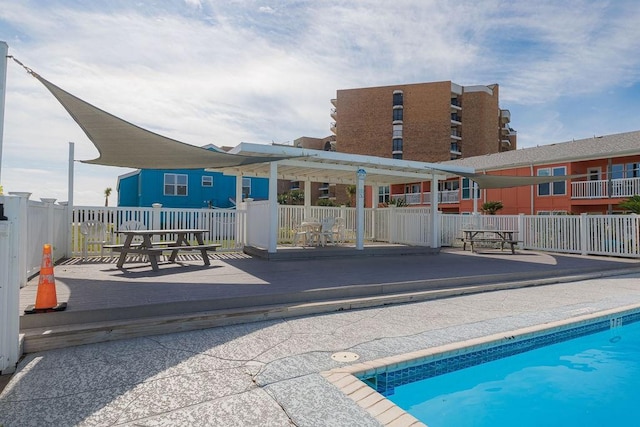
(427, 122)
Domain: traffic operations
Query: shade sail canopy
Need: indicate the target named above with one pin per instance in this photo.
(485, 181)
(124, 144)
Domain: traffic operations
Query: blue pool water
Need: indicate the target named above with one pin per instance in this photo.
(593, 380)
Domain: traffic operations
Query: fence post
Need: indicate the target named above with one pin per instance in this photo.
(521, 229)
(155, 216)
(13, 275)
(21, 229)
(584, 235)
(49, 205)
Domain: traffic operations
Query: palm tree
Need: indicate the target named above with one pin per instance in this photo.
(107, 193)
(351, 191)
(492, 207)
(631, 204)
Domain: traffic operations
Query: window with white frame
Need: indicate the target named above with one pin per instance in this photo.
(467, 189)
(558, 188)
(246, 187)
(207, 181)
(625, 170)
(384, 194)
(175, 184)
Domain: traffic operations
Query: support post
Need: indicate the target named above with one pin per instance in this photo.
(435, 218)
(273, 207)
(361, 174)
(4, 50)
(69, 206)
(9, 290)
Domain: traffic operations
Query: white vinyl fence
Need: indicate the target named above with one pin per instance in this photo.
(220, 223)
(609, 235)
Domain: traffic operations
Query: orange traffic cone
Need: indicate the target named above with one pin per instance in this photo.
(46, 299)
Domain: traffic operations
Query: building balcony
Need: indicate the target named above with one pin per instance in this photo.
(505, 143)
(446, 196)
(456, 137)
(505, 116)
(334, 102)
(333, 127)
(456, 119)
(334, 114)
(603, 189)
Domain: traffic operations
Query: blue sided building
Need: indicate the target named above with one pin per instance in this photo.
(186, 188)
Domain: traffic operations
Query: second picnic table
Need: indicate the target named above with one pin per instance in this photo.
(153, 249)
(489, 235)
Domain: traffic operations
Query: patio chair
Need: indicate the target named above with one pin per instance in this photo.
(94, 233)
(338, 230)
(300, 232)
(325, 233)
(133, 225)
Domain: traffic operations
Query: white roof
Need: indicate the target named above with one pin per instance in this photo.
(300, 164)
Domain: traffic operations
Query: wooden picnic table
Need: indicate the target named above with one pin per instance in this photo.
(489, 235)
(154, 248)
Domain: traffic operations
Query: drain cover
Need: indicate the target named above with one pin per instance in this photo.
(344, 356)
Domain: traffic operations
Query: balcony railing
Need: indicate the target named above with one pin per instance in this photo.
(445, 196)
(600, 189)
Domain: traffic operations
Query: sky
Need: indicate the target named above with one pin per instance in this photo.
(224, 72)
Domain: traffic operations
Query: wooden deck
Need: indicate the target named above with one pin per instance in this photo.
(106, 303)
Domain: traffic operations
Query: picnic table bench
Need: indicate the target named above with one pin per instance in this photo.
(489, 235)
(153, 249)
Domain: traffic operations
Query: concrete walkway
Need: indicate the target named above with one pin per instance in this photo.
(268, 373)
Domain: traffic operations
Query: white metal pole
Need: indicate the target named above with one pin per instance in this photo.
(70, 200)
(4, 50)
(273, 207)
(360, 209)
(435, 218)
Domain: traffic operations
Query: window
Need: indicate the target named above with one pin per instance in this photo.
(411, 188)
(175, 184)
(384, 194)
(467, 192)
(397, 144)
(625, 170)
(397, 156)
(246, 187)
(448, 185)
(207, 181)
(397, 114)
(398, 97)
(557, 188)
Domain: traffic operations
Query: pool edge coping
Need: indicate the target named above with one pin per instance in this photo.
(345, 378)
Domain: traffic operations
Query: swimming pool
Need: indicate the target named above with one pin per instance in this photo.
(514, 378)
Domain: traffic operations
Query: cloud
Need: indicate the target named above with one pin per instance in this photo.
(205, 71)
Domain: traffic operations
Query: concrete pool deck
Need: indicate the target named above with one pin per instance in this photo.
(268, 373)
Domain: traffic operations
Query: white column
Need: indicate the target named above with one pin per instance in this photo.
(21, 229)
(4, 50)
(273, 207)
(70, 199)
(307, 199)
(360, 209)
(10, 241)
(474, 188)
(435, 217)
(238, 190)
